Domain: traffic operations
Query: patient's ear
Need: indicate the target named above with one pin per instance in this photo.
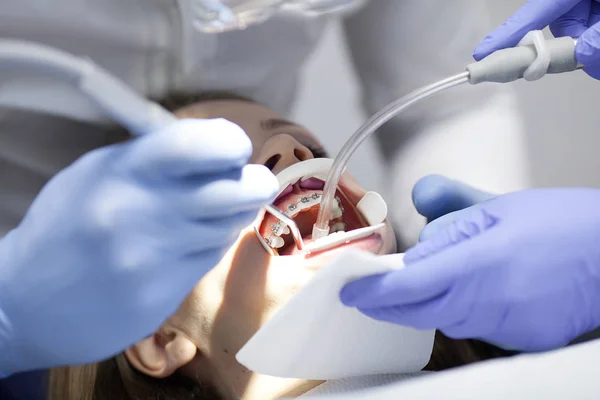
(161, 354)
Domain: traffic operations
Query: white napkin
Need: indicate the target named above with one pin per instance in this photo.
(316, 337)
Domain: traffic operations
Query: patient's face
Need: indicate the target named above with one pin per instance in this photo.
(250, 285)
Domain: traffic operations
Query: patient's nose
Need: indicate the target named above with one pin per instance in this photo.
(281, 151)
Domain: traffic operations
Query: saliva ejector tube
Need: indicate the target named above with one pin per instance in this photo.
(533, 58)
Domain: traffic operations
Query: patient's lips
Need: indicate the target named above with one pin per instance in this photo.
(301, 202)
(300, 198)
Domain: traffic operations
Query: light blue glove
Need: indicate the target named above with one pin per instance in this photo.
(115, 242)
(575, 18)
(521, 270)
(440, 200)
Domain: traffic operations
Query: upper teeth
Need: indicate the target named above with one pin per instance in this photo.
(335, 213)
(309, 201)
(302, 203)
(337, 210)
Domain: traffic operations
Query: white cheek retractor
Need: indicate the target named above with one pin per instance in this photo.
(372, 207)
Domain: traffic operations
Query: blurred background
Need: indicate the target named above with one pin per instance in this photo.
(560, 113)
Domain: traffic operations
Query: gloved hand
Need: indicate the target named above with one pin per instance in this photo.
(115, 242)
(521, 271)
(575, 18)
(442, 200)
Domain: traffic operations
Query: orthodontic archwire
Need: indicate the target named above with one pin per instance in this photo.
(284, 219)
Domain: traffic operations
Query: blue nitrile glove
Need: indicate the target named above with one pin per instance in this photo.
(521, 271)
(575, 18)
(440, 200)
(115, 242)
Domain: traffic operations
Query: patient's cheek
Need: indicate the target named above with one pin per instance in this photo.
(353, 184)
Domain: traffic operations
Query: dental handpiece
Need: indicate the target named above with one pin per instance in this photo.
(532, 59)
(117, 99)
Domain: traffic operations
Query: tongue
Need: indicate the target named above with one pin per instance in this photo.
(306, 219)
(312, 183)
(308, 184)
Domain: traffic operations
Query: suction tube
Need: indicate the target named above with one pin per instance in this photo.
(117, 99)
(531, 59)
(321, 227)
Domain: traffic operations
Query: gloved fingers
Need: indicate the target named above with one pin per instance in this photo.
(218, 233)
(594, 13)
(587, 50)
(473, 222)
(164, 295)
(394, 315)
(436, 313)
(398, 288)
(438, 225)
(226, 194)
(594, 70)
(533, 15)
(518, 340)
(435, 196)
(478, 323)
(432, 268)
(165, 240)
(574, 22)
(189, 147)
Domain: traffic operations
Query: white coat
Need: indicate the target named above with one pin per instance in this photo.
(472, 133)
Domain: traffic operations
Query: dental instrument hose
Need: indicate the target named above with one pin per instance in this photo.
(117, 99)
(529, 61)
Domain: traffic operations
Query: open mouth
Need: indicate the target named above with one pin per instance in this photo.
(354, 218)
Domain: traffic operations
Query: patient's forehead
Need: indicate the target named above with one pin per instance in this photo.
(238, 111)
(259, 122)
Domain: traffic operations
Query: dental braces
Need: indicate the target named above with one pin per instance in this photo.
(322, 244)
(287, 220)
(286, 225)
(281, 227)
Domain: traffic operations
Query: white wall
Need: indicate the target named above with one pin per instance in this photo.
(561, 114)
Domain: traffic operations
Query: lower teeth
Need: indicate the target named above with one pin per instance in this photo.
(338, 227)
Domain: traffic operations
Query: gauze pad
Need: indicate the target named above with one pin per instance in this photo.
(316, 337)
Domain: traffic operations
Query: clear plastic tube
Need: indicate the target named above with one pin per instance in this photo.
(321, 226)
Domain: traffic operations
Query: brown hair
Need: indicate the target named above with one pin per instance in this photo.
(451, 353)
(116, 379)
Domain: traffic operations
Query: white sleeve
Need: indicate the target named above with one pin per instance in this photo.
(471, 133)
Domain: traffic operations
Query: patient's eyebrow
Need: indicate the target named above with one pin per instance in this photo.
(275, 123)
